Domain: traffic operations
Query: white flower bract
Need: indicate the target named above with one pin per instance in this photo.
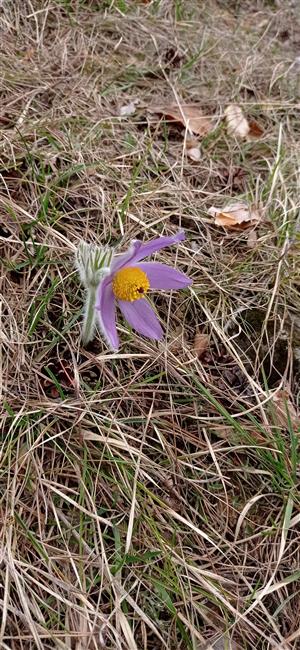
(93, 262)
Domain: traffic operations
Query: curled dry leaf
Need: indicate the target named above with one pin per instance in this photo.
(194, 154)
(193, 148)
(237, 124)
(190, 115)
(235, 215)
(201, 342)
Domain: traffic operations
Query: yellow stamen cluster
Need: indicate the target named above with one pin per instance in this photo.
(130, 283)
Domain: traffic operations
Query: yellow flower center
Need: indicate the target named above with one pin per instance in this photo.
(130, 284)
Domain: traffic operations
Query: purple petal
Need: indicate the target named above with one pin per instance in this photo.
(139, 250)
(162, 276)
(141, 317)
(126, 259)
(106, 308)
(155, 245)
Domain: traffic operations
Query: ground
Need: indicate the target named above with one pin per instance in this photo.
(149, 498)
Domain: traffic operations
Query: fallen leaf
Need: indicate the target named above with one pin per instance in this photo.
(190, 115)
(255, 130)
(192, 147)
(201, 342)
(194, 154)
(235, 215)
(237, 125)
(286, 413)
(128, 109)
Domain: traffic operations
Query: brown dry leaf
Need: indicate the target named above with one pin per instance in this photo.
(190, 115)
(285, 411)
(255, 130)
(237, 124)
(201, 343)
(235, 215)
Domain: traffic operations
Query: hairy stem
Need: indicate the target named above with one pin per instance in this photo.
(88, 326)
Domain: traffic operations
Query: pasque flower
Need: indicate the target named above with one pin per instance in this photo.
(127, 283)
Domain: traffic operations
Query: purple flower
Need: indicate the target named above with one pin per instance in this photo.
(127, 283)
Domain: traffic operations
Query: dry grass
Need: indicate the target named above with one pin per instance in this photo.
(149, 499)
